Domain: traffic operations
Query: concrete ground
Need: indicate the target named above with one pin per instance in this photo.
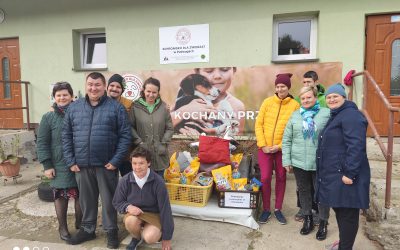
(28, 223)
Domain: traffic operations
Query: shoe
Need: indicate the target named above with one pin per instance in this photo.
(333, 246)
(308, 225)
(134, 244)
(112, 239)
(315, 218)
(81, 237)
(299, 216)
(279, 216)
(322, 230)
(65, 237)
(264, 217)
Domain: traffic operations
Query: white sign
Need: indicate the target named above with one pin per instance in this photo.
(184, 44)
(236, 199)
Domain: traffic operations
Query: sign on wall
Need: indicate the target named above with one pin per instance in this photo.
(184, 44)
(208, 99)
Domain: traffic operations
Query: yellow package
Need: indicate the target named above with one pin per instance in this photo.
(173, 163)
(223, 177)
(191, 171)
(238, 184)
(237, 158)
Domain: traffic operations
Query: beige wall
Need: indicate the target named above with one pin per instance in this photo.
(240, 34)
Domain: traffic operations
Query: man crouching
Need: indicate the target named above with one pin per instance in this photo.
(142, 196)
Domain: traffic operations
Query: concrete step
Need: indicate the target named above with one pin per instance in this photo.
(377, 211)
(375, 154)
(378, 169)
(388, 235)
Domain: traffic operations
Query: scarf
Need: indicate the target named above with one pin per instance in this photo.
(309, 126)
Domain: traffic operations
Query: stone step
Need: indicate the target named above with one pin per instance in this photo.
(375, 153)
(378, 169)
(388, 235)
(378, 187)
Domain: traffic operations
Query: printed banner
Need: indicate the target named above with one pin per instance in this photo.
(184, 44)
(212, 100)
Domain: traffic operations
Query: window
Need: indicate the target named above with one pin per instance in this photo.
(5, 63)
(395, 69)
(90, 49)
(294, 38)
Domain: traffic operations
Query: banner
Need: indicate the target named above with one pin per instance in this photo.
(210, 100)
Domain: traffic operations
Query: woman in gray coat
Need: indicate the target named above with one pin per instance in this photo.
(299, 146)
(50, 154)
(152, 124)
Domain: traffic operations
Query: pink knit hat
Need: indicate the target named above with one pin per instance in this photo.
(284, 79)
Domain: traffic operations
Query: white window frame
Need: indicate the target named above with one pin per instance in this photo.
(84, 51)
(313, 39)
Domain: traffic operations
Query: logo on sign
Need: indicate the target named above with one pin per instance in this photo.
(133, 86)
(183, 36)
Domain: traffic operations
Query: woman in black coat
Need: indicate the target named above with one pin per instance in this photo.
(343, 173)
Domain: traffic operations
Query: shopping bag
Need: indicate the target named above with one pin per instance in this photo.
(214, 150)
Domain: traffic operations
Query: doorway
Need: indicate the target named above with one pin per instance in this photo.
(383, 62)
(10, 93)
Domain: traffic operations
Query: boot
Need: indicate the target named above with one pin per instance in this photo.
(308, 225)
(322, 230)
(78, 214)
(61, 206)
(112, 239)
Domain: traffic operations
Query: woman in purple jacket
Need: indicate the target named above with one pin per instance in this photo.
(142, 196)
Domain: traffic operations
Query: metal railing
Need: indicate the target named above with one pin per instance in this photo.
(26, 107)
(387, 151)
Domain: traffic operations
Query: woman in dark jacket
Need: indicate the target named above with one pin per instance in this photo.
(50, 154)
(343, 173)
(152, 124)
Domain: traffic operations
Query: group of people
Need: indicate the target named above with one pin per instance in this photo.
(85, 144)
(325, 148)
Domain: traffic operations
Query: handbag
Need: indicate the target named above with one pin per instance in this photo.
(214, 150)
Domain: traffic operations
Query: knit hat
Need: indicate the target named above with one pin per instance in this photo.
(337, 88)
(284, 79)
(119, 79)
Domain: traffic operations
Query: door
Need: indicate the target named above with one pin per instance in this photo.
(10, 93)
(383, 62)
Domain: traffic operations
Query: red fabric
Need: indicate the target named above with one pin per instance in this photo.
(214, 150)
(348, 79)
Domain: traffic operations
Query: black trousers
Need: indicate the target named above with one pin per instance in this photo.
(347, 220)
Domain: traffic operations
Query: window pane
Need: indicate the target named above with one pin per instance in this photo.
(5, 65)
(96, 50)
(294, 37)
(395, 70)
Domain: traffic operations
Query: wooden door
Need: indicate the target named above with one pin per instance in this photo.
(10, 93)
(383, 62)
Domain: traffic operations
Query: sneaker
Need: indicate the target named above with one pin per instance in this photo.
(81, 237)
(133, 244)
(112, 239)
(264, 217)
(299, 216)
(279, 216)
(333, 246)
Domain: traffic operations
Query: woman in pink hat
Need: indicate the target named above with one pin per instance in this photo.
(273, 115)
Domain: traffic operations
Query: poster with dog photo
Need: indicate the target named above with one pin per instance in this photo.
(216, 99)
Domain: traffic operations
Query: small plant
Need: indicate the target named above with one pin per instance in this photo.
(12, 154)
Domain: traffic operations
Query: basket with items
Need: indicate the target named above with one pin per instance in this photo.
(190, 180)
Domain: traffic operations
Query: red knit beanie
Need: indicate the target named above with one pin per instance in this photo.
(284, 79)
